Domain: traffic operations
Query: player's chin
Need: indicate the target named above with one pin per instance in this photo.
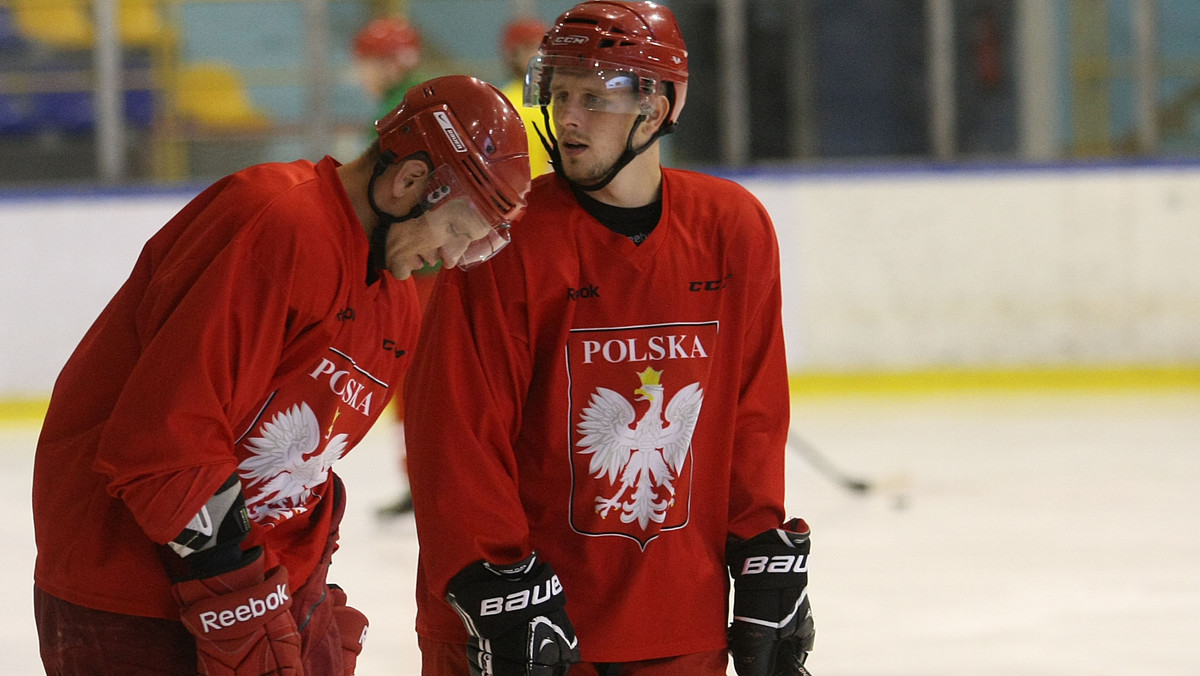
(583, 169)
(582, 176)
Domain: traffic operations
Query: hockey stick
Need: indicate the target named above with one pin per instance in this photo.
(823, 466)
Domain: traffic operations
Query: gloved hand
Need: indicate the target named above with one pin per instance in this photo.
(516, 617)
(351, 624)
(241, 621)
(772, 630)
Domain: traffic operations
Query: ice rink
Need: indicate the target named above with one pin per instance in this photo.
(1015, 534)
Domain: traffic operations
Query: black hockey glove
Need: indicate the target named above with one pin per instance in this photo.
(772, 630)
(516, 616)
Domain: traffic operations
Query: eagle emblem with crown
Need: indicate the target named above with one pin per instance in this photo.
(641, 460)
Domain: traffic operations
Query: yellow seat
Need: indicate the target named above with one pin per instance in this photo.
(140, 24)
(65, 24)
(213, 95)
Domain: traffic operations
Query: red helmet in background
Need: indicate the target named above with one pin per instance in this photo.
(389, 38)
(522, 31)
(640, 37)
(475, 142)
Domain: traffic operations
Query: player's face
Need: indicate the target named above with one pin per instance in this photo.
(518, 57)
(377, 76)
(451, 233)
(592, 118)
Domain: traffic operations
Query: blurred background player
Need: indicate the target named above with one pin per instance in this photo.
(518, 44)
(387, 58)
(599, 417)
(184, 503)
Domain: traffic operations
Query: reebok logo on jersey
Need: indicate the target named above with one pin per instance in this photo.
(214, 620)
(585, 291)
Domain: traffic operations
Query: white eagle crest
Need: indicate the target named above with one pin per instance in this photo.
(647, 456)
(284, 461)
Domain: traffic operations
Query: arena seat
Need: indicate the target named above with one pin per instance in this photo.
(17, 115)
(213, 95)
(71, 112)
(140, 105)
(11, 38)
(140, 24)
(63, 24)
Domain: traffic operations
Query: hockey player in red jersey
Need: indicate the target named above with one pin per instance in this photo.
(185, 508)
(598, 418)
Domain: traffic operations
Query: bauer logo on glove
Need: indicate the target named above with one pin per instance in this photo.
(772, 630)
(516, 617)
(785, 563)
(519, 600)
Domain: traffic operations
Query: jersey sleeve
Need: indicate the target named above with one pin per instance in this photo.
(211, 334)
(463, 396)
(761, 422)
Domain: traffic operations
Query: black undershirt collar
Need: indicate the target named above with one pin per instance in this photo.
(636, 223)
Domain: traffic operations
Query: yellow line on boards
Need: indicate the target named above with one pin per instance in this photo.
(890, 382)
(1118, 378)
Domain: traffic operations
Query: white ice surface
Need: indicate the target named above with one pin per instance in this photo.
(1027, 535)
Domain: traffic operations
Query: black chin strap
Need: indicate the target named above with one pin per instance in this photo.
(626, 157)
(377, 248)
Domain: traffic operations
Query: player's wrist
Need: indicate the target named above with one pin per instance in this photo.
(210, 544)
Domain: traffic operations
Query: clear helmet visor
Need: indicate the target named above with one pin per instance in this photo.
(598, 86)
(465, 236)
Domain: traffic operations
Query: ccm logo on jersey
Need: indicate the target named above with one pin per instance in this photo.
(757, 565)
(522, 599)
(213, 620)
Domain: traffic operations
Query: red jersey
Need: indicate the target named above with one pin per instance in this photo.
(247, 339)
(620, 409)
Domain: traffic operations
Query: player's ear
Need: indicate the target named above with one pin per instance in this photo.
(408, 182)
(657, 116)
(412, 172)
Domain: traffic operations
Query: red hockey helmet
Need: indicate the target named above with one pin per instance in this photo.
(476, 145)
(616, 39)
(390, 37)
(522, 31)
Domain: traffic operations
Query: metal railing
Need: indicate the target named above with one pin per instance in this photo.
(1064, 72)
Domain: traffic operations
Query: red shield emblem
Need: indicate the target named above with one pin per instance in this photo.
(636, 395)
